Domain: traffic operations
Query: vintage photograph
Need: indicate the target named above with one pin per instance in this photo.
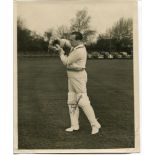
(76, 76)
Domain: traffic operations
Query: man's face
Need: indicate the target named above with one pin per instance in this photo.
(73, 42)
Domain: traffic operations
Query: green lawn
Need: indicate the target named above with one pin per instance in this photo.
(43, 112)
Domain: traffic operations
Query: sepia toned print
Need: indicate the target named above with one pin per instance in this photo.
(76, 76)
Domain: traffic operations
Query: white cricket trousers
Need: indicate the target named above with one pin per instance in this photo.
(77, 97)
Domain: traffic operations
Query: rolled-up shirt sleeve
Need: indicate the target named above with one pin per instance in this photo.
(72, 58)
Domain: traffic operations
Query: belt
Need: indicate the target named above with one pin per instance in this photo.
(75, 69)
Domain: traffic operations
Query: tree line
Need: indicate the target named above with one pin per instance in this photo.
(118, 38)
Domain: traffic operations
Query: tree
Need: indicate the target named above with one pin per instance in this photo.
(81, 23)
(29, 42)
(20, 23)
(122, 34)
(117, 38)
(103, 42)
(48, 34)
(122, 29)
(63, 32)
(23, 36)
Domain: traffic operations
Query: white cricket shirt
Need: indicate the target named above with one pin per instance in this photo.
(76, 60)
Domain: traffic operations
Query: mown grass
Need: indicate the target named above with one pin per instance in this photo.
(43, 112)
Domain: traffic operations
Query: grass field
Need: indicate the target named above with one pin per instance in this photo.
(43, 112)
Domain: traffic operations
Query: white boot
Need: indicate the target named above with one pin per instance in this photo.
(71, 129)
(95, 128)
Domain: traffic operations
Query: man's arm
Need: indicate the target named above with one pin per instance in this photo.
(72, 58)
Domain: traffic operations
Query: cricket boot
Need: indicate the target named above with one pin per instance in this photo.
(95, 128)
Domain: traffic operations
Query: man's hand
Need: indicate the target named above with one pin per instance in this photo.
(59, 49)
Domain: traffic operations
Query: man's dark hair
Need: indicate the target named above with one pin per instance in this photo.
(78, 35)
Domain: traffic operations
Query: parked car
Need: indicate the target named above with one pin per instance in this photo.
(101, 56)
(103, 52)
(95, 55)
(124, 54)
(116, 55)
(110, 56)
(129, 56)
(89, 56)
(106, 54)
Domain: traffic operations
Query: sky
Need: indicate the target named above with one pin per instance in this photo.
(40, 16)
